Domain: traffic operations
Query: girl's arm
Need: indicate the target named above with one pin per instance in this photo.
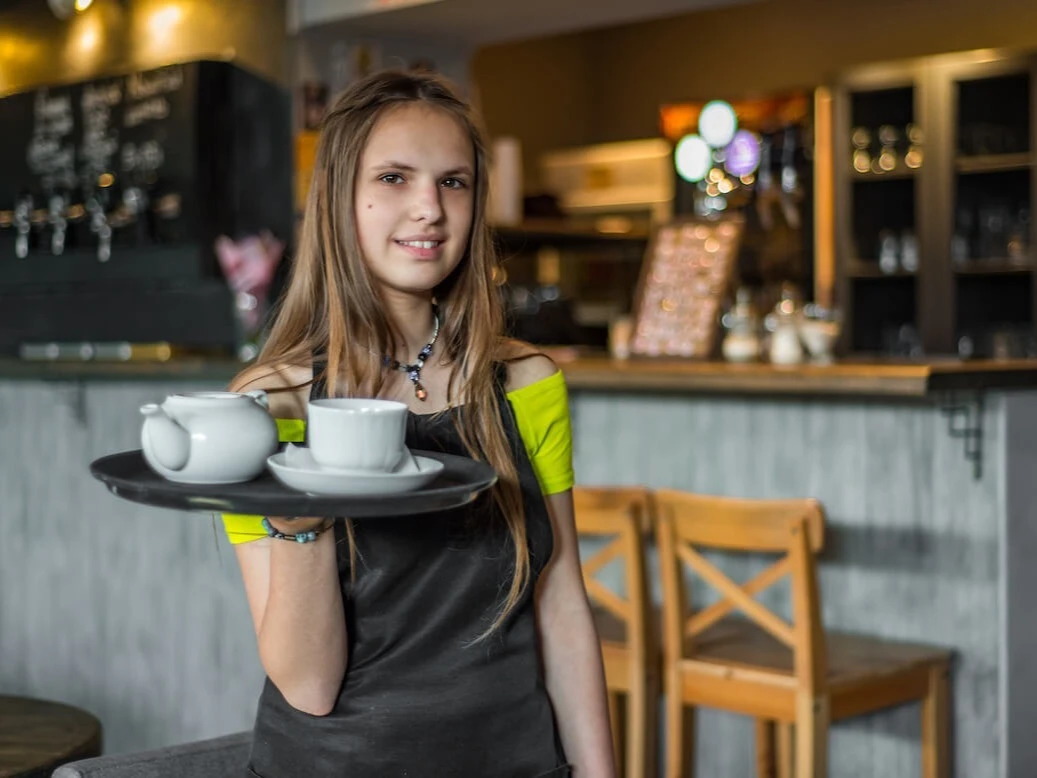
(296, 603)
(294, 593)
(572, 653)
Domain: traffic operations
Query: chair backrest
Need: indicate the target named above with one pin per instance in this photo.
(688, 522)
(622, 514)
(213, 758)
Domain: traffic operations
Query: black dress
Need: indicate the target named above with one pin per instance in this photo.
(420, 696)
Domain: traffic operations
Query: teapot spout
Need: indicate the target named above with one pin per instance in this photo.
(163, 438)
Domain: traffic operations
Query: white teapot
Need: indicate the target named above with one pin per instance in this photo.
(209, 437)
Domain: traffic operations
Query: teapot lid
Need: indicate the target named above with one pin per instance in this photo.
(213, 399)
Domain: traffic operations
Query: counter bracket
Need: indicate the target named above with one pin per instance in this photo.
(964, 414)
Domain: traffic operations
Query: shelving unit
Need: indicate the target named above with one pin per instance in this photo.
(592, 273)
(876, 206)
(966, 203)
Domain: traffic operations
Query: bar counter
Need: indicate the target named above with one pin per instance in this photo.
(854, 378)
(926, 472)
(601, 373)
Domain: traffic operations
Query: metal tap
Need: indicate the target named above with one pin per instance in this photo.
(99, 226)
(58, 221)
(22, 224)
(135, 205)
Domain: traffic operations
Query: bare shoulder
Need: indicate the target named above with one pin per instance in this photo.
(287, 387)
(526, 365)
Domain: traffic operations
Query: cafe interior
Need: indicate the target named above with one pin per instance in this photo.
(782, 251)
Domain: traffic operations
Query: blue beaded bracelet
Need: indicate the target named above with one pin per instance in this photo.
(302, 537)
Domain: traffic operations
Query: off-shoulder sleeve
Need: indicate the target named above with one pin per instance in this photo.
(542, 414)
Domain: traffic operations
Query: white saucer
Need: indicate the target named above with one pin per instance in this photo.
(301, 458)
(352, 483)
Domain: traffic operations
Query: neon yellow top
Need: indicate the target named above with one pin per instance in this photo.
(541, 412)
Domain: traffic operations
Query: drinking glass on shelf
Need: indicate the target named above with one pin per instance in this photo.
(915, 138)
(888, 137)
(861, 140)
(819, 329)
(909, 254)
(889, 251)
(1019, 238)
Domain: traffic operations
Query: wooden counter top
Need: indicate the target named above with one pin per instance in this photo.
(599, 373)
(876, 379)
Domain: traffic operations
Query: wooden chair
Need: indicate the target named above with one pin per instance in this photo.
(782, 674)
(628, 646)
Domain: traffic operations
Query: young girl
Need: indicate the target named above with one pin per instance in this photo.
(456, 643)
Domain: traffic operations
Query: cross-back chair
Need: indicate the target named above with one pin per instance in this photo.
(761, 665)
(625, 626)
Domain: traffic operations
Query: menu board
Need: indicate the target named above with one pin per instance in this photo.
(686, 273)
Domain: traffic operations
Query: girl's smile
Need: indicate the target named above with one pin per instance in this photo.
(422, 247)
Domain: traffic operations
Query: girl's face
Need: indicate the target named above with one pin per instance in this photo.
(415, 196)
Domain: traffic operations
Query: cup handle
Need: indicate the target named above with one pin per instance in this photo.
(260, 397)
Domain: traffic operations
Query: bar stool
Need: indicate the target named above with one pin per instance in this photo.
(628, 646)
(764, 667)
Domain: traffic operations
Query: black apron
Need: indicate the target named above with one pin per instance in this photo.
(420, 697)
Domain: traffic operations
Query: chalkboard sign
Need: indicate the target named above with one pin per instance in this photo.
(131, 178)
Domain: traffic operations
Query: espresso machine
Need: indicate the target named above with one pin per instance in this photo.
(112, 195)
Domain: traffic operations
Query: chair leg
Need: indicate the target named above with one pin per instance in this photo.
(811, 737)
(651, 740)
(765, 762)
(676, 747)
(785, 751)
(615, 726)
(637, 720)
(936, 724)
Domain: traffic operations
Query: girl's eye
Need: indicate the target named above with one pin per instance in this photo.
(391, 178)
(454, 183)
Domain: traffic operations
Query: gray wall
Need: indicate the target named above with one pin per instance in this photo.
(134, 613)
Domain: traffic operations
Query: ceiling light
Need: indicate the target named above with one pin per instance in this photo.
(692, 158)
(717, 123)
(743, 154)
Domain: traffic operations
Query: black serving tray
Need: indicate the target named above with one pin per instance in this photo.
(127, 475)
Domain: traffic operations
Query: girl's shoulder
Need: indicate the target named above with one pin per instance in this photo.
(526, 364)
(287, 387)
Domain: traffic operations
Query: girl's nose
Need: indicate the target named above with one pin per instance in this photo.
(428, 206)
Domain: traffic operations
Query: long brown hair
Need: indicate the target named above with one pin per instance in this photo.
(332, 308)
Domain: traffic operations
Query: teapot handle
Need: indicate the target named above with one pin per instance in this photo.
(260, 397)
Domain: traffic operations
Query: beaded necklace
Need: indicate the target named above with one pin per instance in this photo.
(413, 371)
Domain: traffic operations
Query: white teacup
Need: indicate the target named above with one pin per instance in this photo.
(357, 433)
